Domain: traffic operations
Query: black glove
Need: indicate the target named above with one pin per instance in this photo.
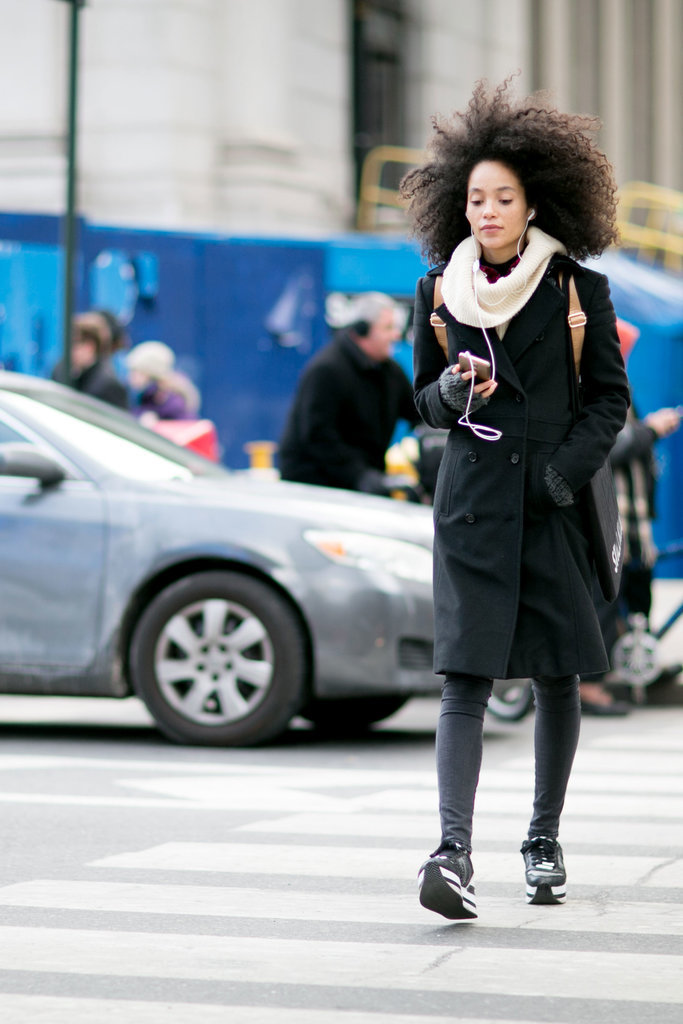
(371, 481)
(558, 488)
(455, 392)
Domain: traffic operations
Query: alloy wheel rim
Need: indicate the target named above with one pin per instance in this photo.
(214, 662)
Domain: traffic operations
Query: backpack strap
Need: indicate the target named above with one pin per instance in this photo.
(577, 320)
(435, 320)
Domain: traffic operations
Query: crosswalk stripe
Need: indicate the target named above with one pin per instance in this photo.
(639, 744)
(220, 796)
(519, 971)
(590, 761)
(499, 827)
(639, 808)
(361, 862)
(267, 935)
(288, 776)
(641, 918)
(19, 1009)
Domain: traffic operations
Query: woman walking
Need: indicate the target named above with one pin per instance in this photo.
(512, 194)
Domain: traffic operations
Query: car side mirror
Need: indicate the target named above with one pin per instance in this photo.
(17, 459)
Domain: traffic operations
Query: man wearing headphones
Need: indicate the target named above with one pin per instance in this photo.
(347, 404)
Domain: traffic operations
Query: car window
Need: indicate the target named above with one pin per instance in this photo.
(112, 437)
(8, 435)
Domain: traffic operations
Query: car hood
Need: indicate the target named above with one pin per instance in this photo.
(323, 507)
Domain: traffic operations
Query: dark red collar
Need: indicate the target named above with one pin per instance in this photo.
(494, 273)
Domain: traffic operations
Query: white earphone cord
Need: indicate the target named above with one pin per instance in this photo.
(481, 430)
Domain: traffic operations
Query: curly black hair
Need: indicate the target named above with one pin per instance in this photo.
(565, 176)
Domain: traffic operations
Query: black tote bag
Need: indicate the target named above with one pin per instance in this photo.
(605, 530)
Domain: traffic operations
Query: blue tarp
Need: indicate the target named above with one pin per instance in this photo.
(652, 301)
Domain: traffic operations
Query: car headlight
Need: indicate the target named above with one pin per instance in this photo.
(366, 551)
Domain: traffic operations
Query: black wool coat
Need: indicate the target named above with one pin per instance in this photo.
(512, 570)
(343, 416)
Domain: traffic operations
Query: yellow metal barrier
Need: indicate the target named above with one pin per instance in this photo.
(650, 217)
(651, 224)
(372, 195)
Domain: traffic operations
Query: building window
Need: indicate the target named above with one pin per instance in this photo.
(379, 35)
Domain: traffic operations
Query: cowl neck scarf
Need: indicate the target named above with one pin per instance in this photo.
(500, 301)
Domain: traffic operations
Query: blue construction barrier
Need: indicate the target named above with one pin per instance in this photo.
(244, 316)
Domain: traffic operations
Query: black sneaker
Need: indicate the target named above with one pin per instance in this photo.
(546, 879)
(443, 883)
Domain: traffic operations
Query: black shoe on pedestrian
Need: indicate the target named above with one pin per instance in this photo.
(443, 883)
(546, 879)
(614, 708)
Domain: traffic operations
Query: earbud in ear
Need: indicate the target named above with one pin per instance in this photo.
(532, 214)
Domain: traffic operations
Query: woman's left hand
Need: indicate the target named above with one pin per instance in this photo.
(485, 388)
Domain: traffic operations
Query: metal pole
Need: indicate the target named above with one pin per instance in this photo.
(70, 212)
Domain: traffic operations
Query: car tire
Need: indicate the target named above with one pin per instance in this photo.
(352, 714)
(219, 658)
(511, 699)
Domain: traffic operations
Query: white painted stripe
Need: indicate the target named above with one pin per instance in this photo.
(286, 794)
(74, 800)
(285, 905)
(65, 1010)
(645, 742)
(286, 776)
(614, 764)
(244, 797)
(357, 862)
(248, 794)
(596, 780)
(507, 828)
(635, 808)
(517, 972)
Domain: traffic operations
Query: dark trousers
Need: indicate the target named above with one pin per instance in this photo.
(459, 743)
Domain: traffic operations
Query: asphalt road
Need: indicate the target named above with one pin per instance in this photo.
(144, 882)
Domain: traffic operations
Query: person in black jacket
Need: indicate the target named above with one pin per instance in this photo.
(348, 401)
(633, 463)
(512, 194)
(92, 371)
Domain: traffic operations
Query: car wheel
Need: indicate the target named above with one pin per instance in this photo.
(511, 699)
(351, 714)
(219, 658)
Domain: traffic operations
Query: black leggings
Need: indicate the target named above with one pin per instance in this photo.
(459, 741)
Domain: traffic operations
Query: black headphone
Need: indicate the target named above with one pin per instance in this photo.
(360, 328)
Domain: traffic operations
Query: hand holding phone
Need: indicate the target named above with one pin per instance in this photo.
(480, 367)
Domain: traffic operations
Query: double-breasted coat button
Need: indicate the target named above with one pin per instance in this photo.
(514, 458)
(472, 456)
(469, 518)
(519, 398)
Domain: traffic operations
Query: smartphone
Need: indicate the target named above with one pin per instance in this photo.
(481, 367)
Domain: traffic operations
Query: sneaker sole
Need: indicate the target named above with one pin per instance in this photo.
(546, 895)
(441, 890)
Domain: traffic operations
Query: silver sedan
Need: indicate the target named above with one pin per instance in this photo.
(228, 602)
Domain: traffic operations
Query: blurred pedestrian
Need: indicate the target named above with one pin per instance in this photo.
(349, 399)
(92, 372)
(161, 392)
(512, 561)
(635, 477)
(117, 330)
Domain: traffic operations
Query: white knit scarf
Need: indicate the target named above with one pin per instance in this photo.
(500, 301)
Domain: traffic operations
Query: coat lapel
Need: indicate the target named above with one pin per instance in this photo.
(525, 327)
(471, 339)
(523, 330)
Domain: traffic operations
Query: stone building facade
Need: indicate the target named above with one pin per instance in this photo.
(251, 116)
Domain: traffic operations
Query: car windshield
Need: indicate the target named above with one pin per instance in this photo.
(109, 435)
